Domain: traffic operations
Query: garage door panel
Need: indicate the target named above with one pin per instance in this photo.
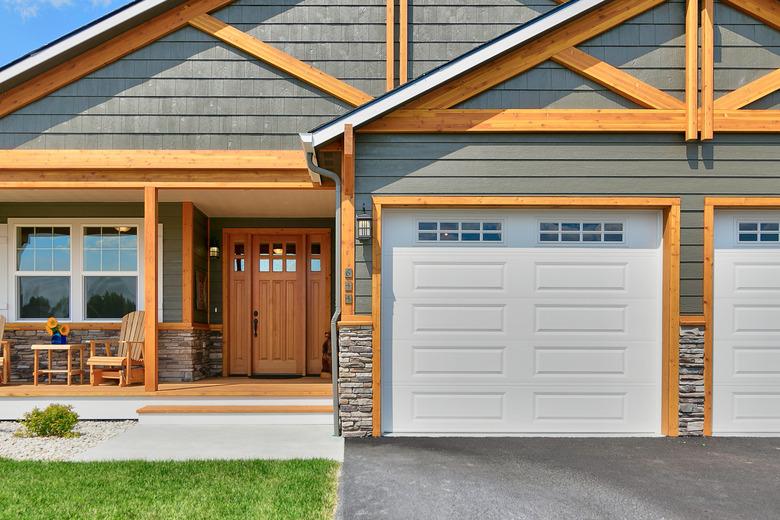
(553, 409)
(504, 339)
(746, 325)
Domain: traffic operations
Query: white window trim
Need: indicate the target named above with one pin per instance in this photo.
(754, 220)
(76, 272)
(579, 219)
(461, 243)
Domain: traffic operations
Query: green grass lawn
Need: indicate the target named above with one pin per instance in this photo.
(304, 489)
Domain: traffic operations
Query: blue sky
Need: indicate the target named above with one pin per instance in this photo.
(26, 25)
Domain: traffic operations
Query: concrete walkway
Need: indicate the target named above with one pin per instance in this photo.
(515, 478)
(203, 442)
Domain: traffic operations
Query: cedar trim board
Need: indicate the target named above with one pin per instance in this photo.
(467, 62)
(710, 205)
(100, 55)
(670, 292)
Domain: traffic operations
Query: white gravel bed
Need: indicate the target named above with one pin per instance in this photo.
(55, 448)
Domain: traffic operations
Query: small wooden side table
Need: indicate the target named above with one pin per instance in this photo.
(68, 349)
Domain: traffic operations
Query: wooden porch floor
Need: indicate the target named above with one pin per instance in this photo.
(212, 387)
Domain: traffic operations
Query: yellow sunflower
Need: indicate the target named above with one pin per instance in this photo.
(64, 329)
(49, 330)
(51, 322)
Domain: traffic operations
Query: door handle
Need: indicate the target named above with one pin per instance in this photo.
(255, 322)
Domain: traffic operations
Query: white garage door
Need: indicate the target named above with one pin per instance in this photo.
(746, 324)
(521, 322)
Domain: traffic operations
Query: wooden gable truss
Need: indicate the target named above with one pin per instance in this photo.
(661, 112)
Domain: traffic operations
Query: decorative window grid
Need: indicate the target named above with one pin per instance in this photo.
(460, 231)
(584, 231)
(758, 232)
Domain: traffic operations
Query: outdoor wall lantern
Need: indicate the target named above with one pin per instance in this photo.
(364, 224)
(214, 250)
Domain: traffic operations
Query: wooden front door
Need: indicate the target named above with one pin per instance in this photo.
(278, 305)
(278, 301)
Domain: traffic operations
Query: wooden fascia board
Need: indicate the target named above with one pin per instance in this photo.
(279, 59)
(529, 120)
(104, 54)
(528, 56)
(767, 11)
(749, 93)
(616, 80)
(169, 160)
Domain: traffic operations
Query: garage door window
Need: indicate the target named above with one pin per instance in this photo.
(759, 232)
(567, 231)
(453, 231)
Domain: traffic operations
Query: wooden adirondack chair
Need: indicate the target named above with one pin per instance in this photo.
(127, 365)
(5, 359)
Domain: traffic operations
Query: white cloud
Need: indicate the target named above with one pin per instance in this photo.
(30, 8)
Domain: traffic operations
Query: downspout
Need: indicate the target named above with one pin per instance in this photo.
(308, 148)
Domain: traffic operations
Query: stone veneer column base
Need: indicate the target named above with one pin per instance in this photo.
(354, 381)
(691, 414)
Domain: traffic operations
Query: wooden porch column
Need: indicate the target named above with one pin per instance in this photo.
(150, 287)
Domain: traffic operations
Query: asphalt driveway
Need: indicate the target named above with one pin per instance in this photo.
(518, 478)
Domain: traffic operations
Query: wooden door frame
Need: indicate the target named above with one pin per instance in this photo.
(670, 277)
(226, 232)
(711, 204)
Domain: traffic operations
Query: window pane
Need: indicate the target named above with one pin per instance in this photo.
(591, 226)
(548, 226)
(613, 226)
(448, 237)
(548, 237)
(265, 265)
(616, 237)
(748, 226)
(316, 265)
(570, 226)
(43, 238)
(92, 259)
(238, 265)
(44, 296)
(769, 237)
(570, 237)
(470, 237)
(24, 237)
(278, 249)
(430, 237)
(43, 249)
(44, 259)
(291, 248)
(291, 265)
(278, 265)
(770, 226)
(448, 226)
(238, 249)
(92, 238)
(110, 296)
(25, 259)
(61, 238)
(748, 237)
(110, 238)
(110, 260)
(129, 239)
(128, 260)
(62, 260)
(316, 248)
(491, 226)
(470, 226)
(591, 237)
(426, 226)
(492, 237)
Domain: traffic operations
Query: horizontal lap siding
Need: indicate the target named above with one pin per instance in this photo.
(190, 91)
(170, 218)
(554, 165)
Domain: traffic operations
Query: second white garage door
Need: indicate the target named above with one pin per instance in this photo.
(521, 322)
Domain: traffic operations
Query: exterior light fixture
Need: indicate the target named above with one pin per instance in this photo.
(364, 225)
(214, 250)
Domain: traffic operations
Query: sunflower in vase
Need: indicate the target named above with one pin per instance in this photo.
(58, 331)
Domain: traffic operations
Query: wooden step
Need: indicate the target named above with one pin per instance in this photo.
(232, 409)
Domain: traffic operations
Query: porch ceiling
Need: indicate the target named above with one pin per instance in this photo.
(214, 203)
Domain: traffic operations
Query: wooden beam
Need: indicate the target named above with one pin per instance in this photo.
(187, 260)
(280, 59)
(616, 80)
(709, 255)
(348, 218)
(150, 288)
(747, 121)
(390, 45)
(671, 321)
(707, 71)
(171, 160)
(768, 11)
(403, 41)
(531, 120)
(749, 93)
(692, 320)
(528, 56)
(104, 54)
(692, 69)
(376, 319)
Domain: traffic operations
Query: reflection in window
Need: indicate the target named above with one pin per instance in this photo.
(462, 231)
(579, 231)
(42, 249)
(765, 232)
(238, 257)
(315, 261)
(110, 297)
(111, 248)
(42, 296)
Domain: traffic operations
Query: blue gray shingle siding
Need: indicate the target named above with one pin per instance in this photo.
(569, 164)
